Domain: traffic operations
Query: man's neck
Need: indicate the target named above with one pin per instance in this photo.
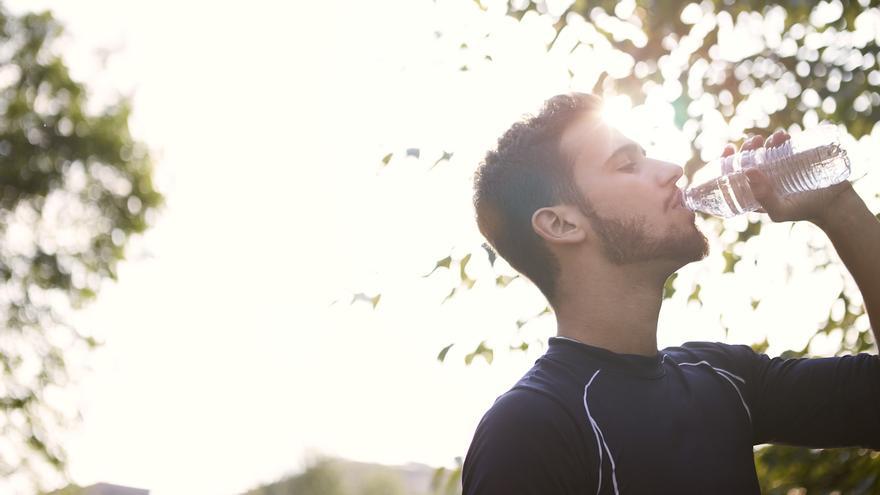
(615, 308)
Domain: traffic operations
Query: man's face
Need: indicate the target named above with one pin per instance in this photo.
(636, 208)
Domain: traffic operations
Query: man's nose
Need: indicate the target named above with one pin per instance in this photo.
(668, 173)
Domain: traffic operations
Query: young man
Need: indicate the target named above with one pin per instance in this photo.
(598, 226)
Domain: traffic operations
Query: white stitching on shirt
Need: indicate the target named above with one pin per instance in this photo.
(723, 373)
(716, 369)
(599, 436)
(593, 426)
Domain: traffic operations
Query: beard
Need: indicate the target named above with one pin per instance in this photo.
(628, 241)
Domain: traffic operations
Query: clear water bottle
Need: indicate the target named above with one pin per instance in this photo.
(809, 160)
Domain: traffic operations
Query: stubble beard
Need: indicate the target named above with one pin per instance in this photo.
(626, 241)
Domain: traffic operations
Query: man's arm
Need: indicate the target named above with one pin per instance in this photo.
(809, 402)
(855, 233)
(852, 228)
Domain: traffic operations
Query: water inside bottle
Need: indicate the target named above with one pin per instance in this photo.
(816, 168)
(724, 196)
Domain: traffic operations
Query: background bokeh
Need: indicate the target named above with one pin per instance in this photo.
(239, 251)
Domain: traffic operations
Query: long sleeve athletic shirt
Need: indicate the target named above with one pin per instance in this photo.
(585, 420)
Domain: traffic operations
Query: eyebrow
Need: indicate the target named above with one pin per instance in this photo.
(630, 146)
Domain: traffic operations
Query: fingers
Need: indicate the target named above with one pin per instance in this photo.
(776, 139)
(729, 149)
(763, 190)
(755, 141)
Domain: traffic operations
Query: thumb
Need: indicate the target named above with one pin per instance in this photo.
(762, 189)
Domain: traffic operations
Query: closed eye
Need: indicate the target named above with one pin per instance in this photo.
(637, 155)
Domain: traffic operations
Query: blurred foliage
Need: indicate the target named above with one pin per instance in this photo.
(72, 489)
(447, 481)
(329, 476)
(810, 61)
(74, 187)
(783, 470)
(321, 478)
(382, 484)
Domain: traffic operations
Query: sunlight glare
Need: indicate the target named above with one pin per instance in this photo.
(617, 112)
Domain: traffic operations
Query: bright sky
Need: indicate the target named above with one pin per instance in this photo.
(225, 364)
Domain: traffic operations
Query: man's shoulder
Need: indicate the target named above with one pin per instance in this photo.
(526, 404)
(527, 415)
(527, 443)
(736, 360)
(712, 352)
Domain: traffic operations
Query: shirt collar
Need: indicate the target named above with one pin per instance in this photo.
(578, 353)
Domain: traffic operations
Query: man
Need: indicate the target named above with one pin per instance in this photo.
(581, 211)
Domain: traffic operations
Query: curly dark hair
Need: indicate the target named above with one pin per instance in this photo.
(526, 172)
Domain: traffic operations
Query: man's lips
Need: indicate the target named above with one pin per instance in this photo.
(677, 199)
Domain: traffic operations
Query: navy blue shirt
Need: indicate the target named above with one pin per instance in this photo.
(586, 420)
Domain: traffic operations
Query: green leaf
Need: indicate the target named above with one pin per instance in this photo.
(695, 295)
(449, 296)
(752, 229)
(446, 156)
(490, 253)
(481, 350)
(443, 352)
(761, 347)
(522, 347)
(386, 159)
(467, 281)
(443, 263)
(522, 322)
(360, 296)
(463, 264)
(730, 261)
(668, 288)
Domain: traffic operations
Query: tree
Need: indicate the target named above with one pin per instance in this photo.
(74, 187)
(382, 483)
(322, 477)
(804, 62)
(328, 476)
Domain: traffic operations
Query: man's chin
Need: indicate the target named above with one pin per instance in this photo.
(689, 247)
(698, 246)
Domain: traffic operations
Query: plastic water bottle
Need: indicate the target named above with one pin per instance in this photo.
(809, 160)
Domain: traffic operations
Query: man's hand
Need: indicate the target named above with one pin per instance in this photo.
(814, 206)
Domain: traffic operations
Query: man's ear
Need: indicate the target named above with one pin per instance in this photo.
(558, 224)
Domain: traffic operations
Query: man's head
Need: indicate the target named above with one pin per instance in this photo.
(563, 185)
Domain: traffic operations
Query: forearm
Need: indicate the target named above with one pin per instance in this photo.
(855, 233)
